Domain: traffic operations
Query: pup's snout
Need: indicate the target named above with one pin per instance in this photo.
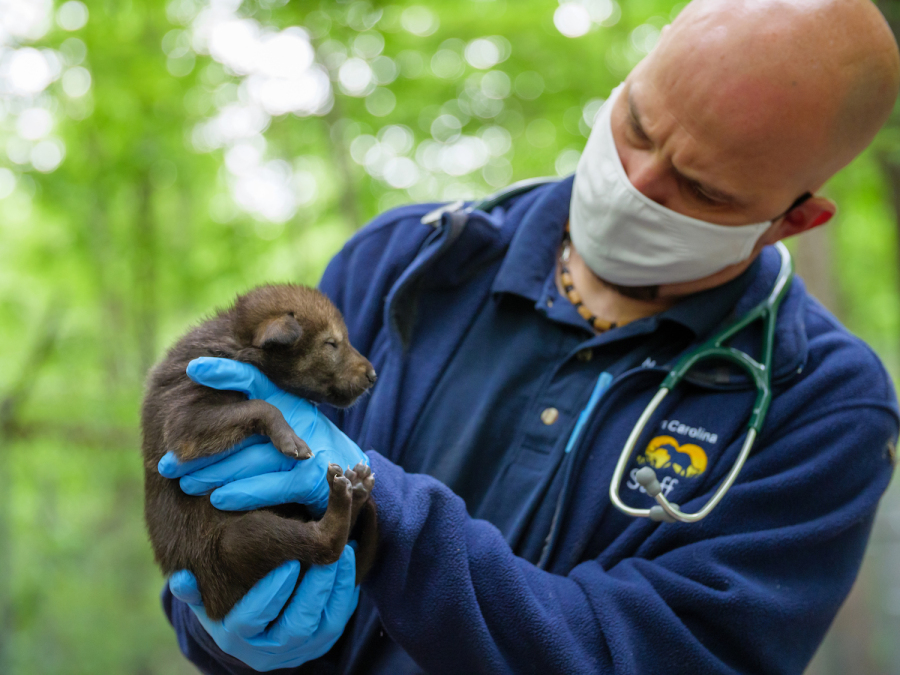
(371, 376)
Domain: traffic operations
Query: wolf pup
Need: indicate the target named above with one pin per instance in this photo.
(297, 338)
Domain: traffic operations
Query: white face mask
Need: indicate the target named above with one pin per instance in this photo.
(630, 240)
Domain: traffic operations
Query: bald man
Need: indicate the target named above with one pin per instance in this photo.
(518, 344)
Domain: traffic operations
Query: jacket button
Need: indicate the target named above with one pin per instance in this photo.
(585, 355)
(549, 416)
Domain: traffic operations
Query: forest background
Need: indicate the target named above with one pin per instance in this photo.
(156, 158)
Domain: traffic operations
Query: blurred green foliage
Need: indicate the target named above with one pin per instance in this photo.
(140, 232)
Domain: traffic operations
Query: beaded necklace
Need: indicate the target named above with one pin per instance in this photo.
(574, 297)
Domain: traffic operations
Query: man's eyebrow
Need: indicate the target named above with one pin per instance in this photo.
(634, 119)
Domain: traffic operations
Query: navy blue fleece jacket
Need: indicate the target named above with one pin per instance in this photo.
(752, 588)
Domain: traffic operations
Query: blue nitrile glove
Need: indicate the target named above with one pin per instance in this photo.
(313, 619)
(254, 474)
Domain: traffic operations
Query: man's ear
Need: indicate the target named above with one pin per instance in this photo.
(811, 213)
(279, 331)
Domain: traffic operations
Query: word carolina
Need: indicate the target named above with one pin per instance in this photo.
(699, 433)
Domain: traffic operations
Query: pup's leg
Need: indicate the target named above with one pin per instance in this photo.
(363, 518)
(363, 480)
(253, 544)
(204, 428)
(366, 535)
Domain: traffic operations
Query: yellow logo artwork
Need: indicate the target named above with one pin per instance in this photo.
(686, 460)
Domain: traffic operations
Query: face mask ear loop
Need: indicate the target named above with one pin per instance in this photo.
(800, 201)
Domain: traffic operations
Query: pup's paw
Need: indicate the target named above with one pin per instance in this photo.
(362, 478)
(341, 484)
(293, 446)
(340, 499)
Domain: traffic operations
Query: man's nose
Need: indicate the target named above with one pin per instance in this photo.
(650, 175)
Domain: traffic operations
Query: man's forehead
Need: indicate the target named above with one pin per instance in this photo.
(716, 140)
(797, 86)
(751, 124)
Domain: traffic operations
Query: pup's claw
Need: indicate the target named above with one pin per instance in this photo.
(341, 484)
(291, 445)
(334, 471)
(298, 449)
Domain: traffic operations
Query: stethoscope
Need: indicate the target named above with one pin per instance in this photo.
(713, 348)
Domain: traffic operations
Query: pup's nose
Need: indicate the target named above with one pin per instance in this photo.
(370, 374)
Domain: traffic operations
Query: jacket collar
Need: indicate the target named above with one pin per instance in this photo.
(531, 259)
(515, 229)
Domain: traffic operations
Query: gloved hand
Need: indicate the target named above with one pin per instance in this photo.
(313, 618)
(254, 474)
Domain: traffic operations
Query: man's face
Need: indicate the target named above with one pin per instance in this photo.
(712, 157)
(745, 105)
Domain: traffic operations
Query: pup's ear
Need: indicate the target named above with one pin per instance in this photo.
(279, 331)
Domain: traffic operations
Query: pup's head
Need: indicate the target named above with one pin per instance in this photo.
(298, 338)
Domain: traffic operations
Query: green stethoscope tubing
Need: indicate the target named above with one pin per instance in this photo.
(761, 373)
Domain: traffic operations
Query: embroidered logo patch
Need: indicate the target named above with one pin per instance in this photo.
(664, 452)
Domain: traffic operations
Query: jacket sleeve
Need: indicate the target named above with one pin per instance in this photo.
(751, 589)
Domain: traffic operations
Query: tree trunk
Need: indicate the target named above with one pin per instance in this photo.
(815, 263)
(890, 165)
(892, 173)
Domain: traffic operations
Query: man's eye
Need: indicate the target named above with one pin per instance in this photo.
(698, 192)
(638, 137)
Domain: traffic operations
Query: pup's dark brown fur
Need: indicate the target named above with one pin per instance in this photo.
(297, 337)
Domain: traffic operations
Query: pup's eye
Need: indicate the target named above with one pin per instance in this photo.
(331, 343)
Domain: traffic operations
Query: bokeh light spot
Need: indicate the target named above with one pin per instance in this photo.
(419, 21)
(28, 71)
(47, 155)
(482, 54)
(572, 20)
(385, 70)
(356, 77)
(34, 123)
(73, 51)
(381, 102)
(72, 15)
(7, 182)
(644, 38)
(567, 162)
(398, 137)
(368, 45)
(496, 84)
(447, 64)
(446, 128)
